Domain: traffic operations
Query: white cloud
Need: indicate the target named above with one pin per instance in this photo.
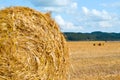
(74, 5)
(64, 6)
(105, 24)
(114, 4)
(2, 7)
(96, 14)
(60, 20)
(72, 8)
(67, 26)
(85, 10)
(50, 2)
(103, 15)
(98, 18)
(53, 9)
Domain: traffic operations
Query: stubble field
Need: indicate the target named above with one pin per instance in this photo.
(95, 60)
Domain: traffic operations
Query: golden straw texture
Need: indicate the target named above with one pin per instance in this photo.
(31, 46)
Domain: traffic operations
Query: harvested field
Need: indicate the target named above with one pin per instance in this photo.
(95, 62)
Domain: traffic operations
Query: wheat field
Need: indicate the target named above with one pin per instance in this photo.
(95, 60)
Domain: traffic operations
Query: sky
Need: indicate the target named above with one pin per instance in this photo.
(77, 15)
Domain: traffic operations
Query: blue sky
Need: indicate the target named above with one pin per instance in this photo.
(77, 15)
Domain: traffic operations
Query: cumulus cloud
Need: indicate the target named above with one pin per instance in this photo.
(74, 5)
(64, 6)
(1, 7)
(105, 24)
(85, 10)
(114, 4)
(97, 18)
(85, 17)
(67, 26)
(53, 9)
(96, 14)
(72, 8)
(50, 2)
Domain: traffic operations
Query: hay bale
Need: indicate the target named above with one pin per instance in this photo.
(94, 44)
(99, 44)
(31, 46)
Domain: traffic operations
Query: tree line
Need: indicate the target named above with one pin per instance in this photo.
(93, 36)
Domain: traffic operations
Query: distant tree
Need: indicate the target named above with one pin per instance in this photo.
(94, 36)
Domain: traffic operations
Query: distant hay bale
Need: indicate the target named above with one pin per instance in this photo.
(94, 44)
(99, 44)
(31, 46)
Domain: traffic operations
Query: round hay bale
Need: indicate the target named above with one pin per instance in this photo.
(31, 46)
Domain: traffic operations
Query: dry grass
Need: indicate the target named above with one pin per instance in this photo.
(31, 46)
(91, 62)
